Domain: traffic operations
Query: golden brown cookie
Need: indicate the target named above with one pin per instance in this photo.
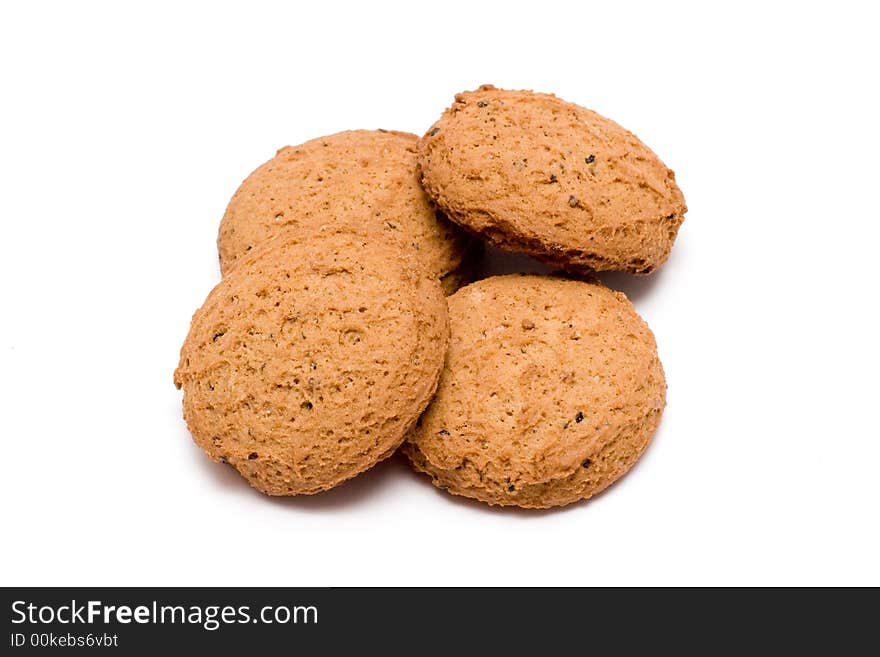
(311, 359)
(364, 180)
(535, 174)
(551, 390)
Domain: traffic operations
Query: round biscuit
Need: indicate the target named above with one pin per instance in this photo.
(311, 359)
(361, 180)
(551, 390)
(535, 174)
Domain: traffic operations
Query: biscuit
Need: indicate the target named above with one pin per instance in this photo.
(311, 359)
(365, 180)
(551, 390)
(532, 173)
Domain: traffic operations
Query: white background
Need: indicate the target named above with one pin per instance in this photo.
(125, 131)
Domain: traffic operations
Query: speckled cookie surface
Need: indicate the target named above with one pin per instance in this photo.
(533, 173)
(311, 359)
(361, 179)
(551, 391)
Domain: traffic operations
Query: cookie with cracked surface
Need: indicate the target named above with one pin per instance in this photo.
(311, 359)
(535, 174)
(365, 180)
(551, 390)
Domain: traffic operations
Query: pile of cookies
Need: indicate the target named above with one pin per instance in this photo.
(344, 326)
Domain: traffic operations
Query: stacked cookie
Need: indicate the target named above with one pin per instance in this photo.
(329, 342)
